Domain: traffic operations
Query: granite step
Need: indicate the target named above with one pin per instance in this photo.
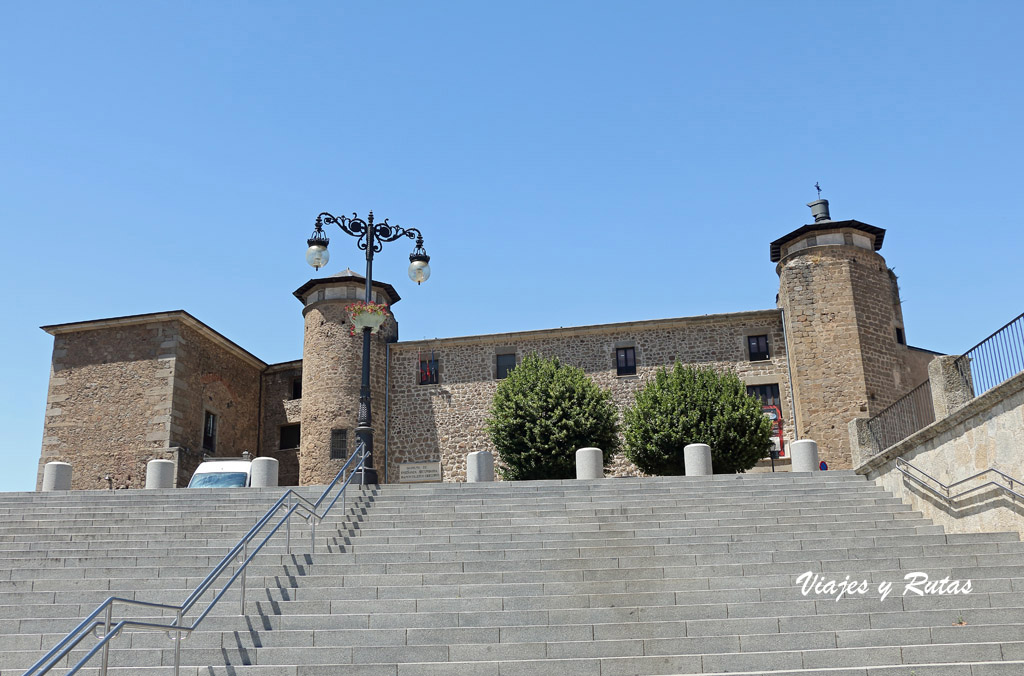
(675, 575)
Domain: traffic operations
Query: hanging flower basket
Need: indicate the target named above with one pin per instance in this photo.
(364, 315)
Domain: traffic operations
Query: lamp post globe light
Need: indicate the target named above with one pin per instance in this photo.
(370, 238)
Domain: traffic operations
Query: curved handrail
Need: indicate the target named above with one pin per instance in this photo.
(290, 500)
(900, 462)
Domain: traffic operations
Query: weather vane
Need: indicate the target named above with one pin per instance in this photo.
(818, 188)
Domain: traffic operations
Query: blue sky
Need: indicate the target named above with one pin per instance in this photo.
(567, 162)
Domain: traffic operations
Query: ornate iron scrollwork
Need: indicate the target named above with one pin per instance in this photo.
(368, 232)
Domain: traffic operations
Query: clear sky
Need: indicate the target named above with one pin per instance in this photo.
(568, 162)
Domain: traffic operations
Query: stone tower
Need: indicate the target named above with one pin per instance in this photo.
(844, 328)
(331, 372)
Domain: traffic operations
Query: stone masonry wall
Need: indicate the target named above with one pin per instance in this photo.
(986, 432)
(331, 374)
(208, 377)
(109, 403)
(885, 362)
(917, 361)
(446, 421)
(824, 347)
(840, 319)
(279, 408)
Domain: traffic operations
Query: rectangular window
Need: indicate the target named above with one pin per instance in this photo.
(625, 361)
(290, 435)
(339, 444)
(210, 433)
(296, 388)
(899, 337)
(768, 394)
(428, 371)
(758, 347)
(506, 362)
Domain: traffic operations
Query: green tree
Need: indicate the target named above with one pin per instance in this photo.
(545, 411)
(693, 405)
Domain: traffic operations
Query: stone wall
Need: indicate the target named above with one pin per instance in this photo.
(124, 388)
(885, 361)
(209, 377)
(280, 408)
(445, 421)
(841, 309)
(127, 390)
(986, 432)
(109, 402)
(331, 375)
(917, 361)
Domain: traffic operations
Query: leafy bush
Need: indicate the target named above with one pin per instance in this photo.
(692, 405)
(545, 411)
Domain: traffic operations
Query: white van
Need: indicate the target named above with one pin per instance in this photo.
(222, 474)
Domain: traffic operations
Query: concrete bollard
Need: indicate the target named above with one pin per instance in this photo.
(479, 466)
(589, 463)
(160, 474)
(56, 476)
(263, 473)
(697, 460)
(805, 456)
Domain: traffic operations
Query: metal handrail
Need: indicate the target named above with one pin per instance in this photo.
(900, 462)
(994, 360)
(292, 502)
(905, 416)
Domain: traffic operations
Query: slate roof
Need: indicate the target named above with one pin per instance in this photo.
(877, 233)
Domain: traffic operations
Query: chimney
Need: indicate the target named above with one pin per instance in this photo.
(819, 209)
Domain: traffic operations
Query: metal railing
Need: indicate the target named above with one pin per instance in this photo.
(102, 619)
(908, 414)
(902, 464)
(994, 360)
(991, 362)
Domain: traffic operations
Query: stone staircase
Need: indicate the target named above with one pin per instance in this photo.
(616, 577)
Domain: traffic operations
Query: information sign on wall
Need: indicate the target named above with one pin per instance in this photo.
(419, 472)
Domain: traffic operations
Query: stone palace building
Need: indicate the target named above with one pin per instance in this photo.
(126, 390)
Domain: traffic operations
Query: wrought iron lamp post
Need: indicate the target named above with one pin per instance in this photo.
(371, 237)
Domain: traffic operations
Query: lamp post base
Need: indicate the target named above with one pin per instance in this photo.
(367, 474)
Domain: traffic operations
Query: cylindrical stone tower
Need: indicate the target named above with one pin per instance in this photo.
(844, 328)
(331, 373)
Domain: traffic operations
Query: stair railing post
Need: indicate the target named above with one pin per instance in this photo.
(312, 534)
(177, 646)
(106, 633)
(245, 568)
(288, 526)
